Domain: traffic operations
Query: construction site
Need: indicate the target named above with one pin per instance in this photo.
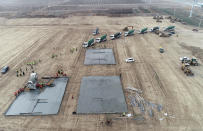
(90, 72)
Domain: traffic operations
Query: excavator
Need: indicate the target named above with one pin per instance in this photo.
(127, 28)
(186, 69)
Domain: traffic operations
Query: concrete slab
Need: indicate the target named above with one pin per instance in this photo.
(99, 56)
(35, 102)
(101, 94)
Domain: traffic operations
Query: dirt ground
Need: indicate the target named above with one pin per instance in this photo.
(158, 75)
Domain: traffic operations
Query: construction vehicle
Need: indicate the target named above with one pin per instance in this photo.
(163, 34)
(116, 36)
(130, 32)
(195, 30)
(161, 50)
(158, 20)
(4, 69)
(95, 32)
(194, 62)
(155, 17)
(88, 44)
(144, 30)
(185, 60)
(157, 32)
(154, 29)
(170, 28)
(186, 69)
(129, 60)
(31, 84)
(127, 28)
(158, 17)
(101, 39)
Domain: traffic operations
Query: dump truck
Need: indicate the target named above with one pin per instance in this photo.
(95, 32)
(154, 29)
(186, 69)
(88, 44)
(101, 39)
(116, 36)
(32, 82)
(129, 33)
(170, 28)
(144, 30)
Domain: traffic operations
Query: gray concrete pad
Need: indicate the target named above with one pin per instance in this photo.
(99, 56)
(35, 102)
(101, 94)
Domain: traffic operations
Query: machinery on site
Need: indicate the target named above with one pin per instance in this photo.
(144, 30)
(186, 69)
(185, 60)
(169, 28)
(161, 50)
(4, 69)
(195, 30)
(129, 60)
(194, 62)
(130, 32)
(158, 17)
(95, 32)
(127, 28)
(32, 82)
(101, 39)
(154, 29)
(164, 34)
(88, 44)
(116, 36)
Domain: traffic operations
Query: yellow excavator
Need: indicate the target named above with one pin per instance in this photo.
(127, 28)
(186, 69)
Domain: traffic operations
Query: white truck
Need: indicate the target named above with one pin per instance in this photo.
(115, 36)
(101, 39)
(88, 44)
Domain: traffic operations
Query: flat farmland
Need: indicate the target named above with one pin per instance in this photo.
(158, 75)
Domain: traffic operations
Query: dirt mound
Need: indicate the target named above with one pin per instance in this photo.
(196, 51)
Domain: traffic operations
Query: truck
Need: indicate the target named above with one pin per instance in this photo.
(154, 29)
(169, 28)
(161, 50)
(32, 82)
(129, 33)
(95, 32)
(144, 30)
(101, 39)
(89, 43)
(116, 36)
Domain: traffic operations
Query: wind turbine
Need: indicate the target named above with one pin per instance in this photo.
(195, 2)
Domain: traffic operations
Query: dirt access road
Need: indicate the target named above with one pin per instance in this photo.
(157, 75)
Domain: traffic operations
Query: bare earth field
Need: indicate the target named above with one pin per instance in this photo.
(158, 75)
